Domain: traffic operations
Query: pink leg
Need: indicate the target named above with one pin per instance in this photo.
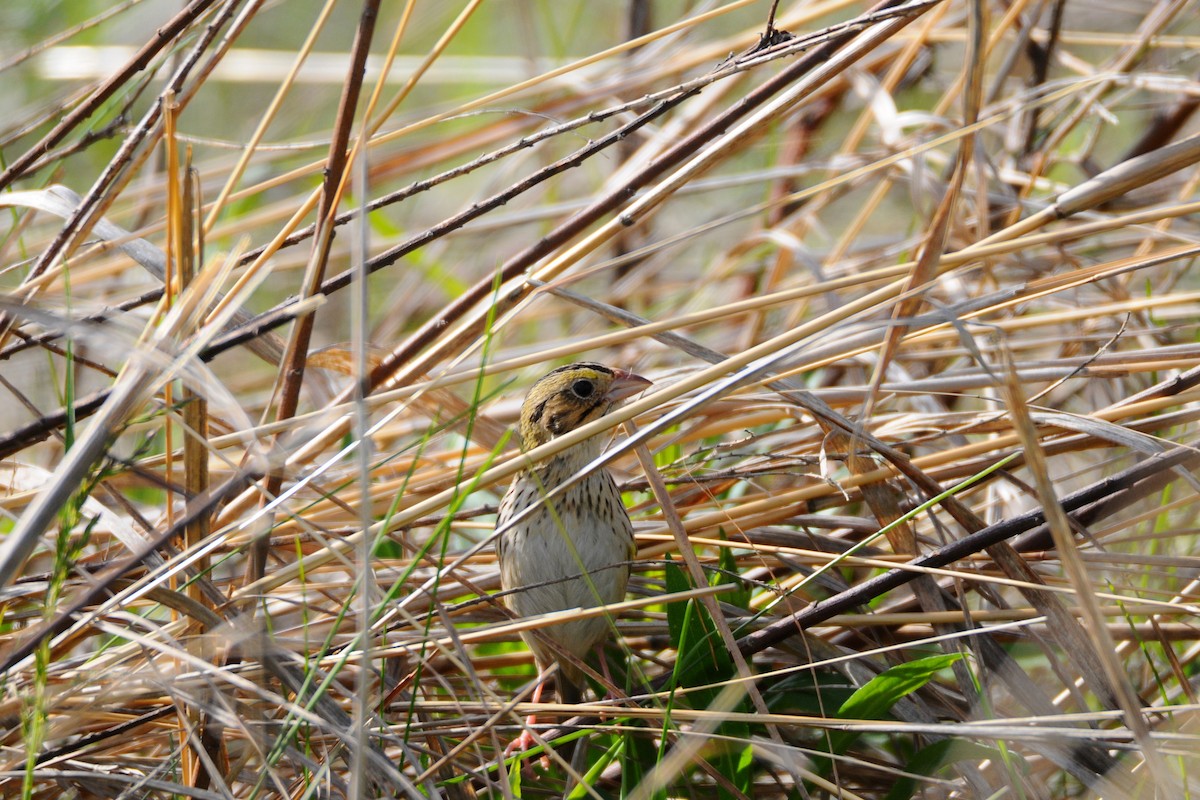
(526, 740)
(608, 681)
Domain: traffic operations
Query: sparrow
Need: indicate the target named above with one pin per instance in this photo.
(573, 551)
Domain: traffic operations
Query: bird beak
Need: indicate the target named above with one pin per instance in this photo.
(625, 385)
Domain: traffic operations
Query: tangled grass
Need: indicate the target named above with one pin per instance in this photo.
(914, 490)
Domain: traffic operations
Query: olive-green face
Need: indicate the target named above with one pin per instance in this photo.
(565, 399)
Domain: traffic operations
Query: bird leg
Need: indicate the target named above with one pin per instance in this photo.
(526, 740)
(613, 691)
(609, 685)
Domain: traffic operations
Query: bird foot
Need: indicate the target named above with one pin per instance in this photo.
(520, 744)
(526, 741)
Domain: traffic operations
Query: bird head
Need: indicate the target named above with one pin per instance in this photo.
(571, 396)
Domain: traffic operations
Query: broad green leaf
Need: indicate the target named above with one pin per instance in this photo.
(877, 696)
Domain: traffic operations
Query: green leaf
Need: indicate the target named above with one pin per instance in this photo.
(693, 662)
(729, 570)
(594, 770)
(877, 696)
(388, 548)
(637, 756)
(676, 581)
(874, 698)
(735, 762)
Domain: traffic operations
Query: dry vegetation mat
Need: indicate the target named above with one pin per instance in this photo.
(914, 491)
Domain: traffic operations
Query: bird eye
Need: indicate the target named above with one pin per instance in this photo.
(583, 388)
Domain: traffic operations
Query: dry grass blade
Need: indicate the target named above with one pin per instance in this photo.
(915, 283)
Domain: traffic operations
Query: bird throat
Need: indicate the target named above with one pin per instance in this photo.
(561, 466)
